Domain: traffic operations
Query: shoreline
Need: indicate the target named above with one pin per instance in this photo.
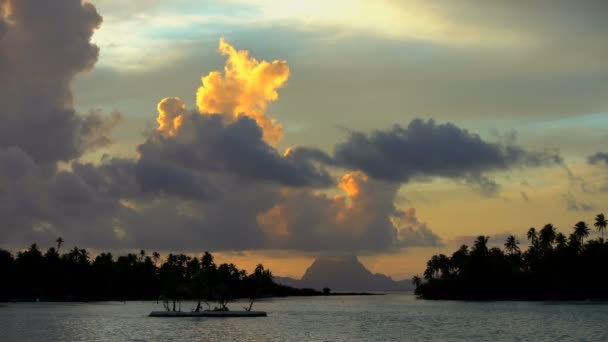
(4, 301)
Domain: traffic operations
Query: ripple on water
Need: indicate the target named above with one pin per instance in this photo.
(377, 318)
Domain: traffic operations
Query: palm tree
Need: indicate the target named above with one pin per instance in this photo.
(511, 245)
(432, 267)
(444, 266)
(560, 239)
(142, 254)
(547, 236)
(481, 244)
(600, 224)
(581, 230)
(59, 243)
(532, 236)
(155, 257)
(416, 281)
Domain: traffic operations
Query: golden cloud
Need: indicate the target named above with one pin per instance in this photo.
(171, 111)
(351, 183)
(245, 89)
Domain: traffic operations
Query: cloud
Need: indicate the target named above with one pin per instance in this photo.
(599, 158)
(573, 205)
(484, 185)
(208, 178)
(364, 220)
(43, 45)
(428, 149)
(3, 13)
(38, 203)
(171, 112)
(95, 128)
(209, 144)
(245, 89)
(413, 232)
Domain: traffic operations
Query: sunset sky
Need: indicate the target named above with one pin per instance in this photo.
(280, 131)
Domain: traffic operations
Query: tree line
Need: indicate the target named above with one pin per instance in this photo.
(32, 274)
(554, 266)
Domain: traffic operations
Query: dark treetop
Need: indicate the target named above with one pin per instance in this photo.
(32, 275)
(554, 266)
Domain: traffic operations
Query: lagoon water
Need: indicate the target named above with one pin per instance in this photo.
(393, 317)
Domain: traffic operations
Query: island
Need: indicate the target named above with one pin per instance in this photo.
(35, 275)
(554, 267)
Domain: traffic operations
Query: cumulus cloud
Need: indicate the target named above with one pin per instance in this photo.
(245, 89)
(171, 112)
(207, 143)
(413, 232)
(364, 220)
(39, 203)
(43, 45)
(208, 178)
(428, 149)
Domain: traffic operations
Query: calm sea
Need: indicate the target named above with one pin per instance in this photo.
(395, 317)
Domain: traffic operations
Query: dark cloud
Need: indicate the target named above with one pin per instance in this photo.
(484, 185)
(164, 178)
(224, 181)
(573, 205)
(428, 149)
(37, 203)
(43, 45)
(599, 158)
(113, 177)
(366, 220)
(208, 144)
(202, 181)
(95, 128)
(3, 23)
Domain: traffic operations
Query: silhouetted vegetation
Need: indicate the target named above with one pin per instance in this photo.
(554, 266)
(75, 276)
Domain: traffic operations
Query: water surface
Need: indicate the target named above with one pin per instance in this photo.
(395, 317)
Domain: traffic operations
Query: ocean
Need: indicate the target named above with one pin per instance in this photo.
(392, 317)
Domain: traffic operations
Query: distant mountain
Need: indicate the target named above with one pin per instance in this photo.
(344, 274)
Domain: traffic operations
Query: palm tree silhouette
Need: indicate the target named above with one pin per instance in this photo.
(600, 224)
(511, 245)
(532, 236)
(416, 281)
(581, 230)
(155, 257)
(547, 236)
(560, 239)
(59, 243)
(432, 267)
(480, 246)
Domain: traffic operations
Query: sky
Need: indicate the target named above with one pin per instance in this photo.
(277, 132)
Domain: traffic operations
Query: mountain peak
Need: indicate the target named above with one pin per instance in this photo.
(344, 273)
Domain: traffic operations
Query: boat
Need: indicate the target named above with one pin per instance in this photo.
(207, 314)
